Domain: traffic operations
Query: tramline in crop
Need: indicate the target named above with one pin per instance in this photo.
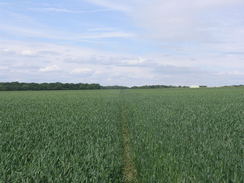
(160, 135)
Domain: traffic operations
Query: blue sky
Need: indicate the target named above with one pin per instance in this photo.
(129, 42)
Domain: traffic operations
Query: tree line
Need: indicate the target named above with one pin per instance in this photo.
(19, 86)
(157, 86)
(16, 86)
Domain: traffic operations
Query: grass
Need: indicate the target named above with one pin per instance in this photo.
(164, 135)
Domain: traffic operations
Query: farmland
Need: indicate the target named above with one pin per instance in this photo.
(160, 135)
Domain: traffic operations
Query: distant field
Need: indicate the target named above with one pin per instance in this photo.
(109, 136)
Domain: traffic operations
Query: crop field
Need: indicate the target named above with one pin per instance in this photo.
(113, 136)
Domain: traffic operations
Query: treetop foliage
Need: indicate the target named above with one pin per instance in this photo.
(16, 86)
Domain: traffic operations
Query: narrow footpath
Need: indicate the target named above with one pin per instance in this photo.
(129, 169)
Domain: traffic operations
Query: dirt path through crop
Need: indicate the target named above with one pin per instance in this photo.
(129, 169)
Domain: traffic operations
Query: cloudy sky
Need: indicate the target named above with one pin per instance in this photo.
(123, 42)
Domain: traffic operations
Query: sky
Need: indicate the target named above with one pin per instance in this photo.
(123, 42)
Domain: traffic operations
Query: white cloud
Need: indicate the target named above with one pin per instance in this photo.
(50, 68)
(59, 35)
(65, 10)
(115, 5)
(104, 35)
(200, 41)
(231, 73)
(27, 53)
(134, 61)
(4, 50)
(179, 20)
(3, 67)
(81, 71)
(52, 63)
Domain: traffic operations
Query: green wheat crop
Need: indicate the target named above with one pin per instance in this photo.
(175, 135)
